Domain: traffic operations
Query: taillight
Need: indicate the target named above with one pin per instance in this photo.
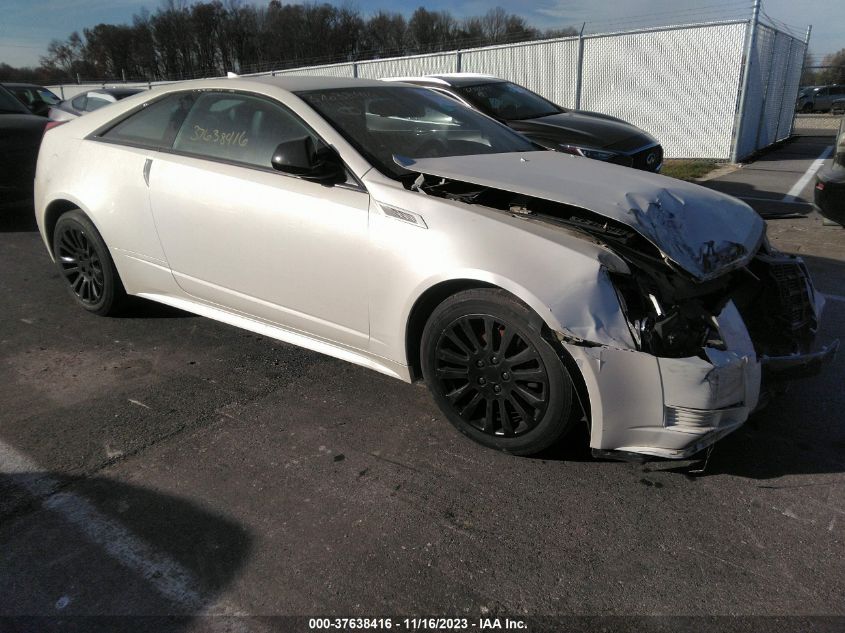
(51, 124)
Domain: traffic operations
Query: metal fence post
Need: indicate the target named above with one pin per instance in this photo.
(783, 92)
(746, 74)
(458, 61)
(355, 69)
(579, 69)
(803, 64)
(763, 103)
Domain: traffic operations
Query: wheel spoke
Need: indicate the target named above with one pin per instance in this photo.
(507, 427)
(531, 373)
(452, 373)
(489, 416)
(451, 357)
(532, 399)
(455, 339)
(456, 393)
(527, 416)
(488, 333)
(504, 343)
(522, 356)
(466, 328)
(67, 243)
(469, 407)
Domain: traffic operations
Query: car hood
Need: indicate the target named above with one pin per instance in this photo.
(588, 128)
(704, 232)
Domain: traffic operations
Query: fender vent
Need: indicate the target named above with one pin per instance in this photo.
(404, 216)
(703, 418)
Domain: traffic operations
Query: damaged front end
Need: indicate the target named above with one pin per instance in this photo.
(714, 322)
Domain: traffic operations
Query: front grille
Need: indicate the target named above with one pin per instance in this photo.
(648, 159)
(794, 296)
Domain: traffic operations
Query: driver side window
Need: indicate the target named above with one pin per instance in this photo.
(239, 128)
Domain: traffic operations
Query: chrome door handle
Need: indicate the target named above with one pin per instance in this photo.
(147, 164)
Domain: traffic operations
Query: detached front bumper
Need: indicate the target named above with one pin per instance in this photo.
(798, 365)
(674, 407)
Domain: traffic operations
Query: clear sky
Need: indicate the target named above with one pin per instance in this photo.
(27, 26)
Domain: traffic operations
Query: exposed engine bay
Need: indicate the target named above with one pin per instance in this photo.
(670, 313)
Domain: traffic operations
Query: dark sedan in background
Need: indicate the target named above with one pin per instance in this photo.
(590, 134)
(830, 183)
(37, 99)
(20, 139)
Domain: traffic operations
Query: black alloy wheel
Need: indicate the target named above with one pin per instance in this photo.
(493, 374)
(85, 264)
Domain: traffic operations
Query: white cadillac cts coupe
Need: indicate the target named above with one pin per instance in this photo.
(390, 226)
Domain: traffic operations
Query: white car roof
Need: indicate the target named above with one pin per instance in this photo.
(441, 78)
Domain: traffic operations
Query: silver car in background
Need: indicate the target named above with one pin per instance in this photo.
(89, 101)
(391, 226)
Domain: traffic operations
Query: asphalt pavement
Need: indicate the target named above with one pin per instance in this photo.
(164, 464)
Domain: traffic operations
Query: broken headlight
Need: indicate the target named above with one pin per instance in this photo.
(665, 328)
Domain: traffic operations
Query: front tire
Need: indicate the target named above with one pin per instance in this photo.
(85, 264)
(493, 374)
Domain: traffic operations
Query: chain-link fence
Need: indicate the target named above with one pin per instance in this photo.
(689, 86)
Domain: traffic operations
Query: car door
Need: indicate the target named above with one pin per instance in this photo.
(241, 235)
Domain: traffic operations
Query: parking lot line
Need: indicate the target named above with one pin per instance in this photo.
(168, 577)
(798, 187)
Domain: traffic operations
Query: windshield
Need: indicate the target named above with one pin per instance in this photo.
(47, 96)
(381, 122)
(507, 101)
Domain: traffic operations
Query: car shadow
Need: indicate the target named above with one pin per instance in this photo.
(92, 554)
(139, 308)
(17, 217)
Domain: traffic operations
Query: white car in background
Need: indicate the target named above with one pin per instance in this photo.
(89, 101)
(392, 227)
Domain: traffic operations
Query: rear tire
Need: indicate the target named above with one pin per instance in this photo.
(493, 374)
(85, 264)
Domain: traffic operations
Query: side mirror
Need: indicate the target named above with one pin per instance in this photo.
(299, 157)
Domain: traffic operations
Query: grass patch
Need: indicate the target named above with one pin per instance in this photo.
(687, 169)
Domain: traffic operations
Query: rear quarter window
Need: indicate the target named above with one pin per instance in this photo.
(156, 125)
(95, 103)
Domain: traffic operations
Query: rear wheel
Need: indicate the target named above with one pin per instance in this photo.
(493, 374)
(85, 264)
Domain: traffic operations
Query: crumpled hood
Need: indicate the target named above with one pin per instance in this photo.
(704, 232)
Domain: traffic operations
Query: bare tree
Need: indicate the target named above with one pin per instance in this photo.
(183, 39)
